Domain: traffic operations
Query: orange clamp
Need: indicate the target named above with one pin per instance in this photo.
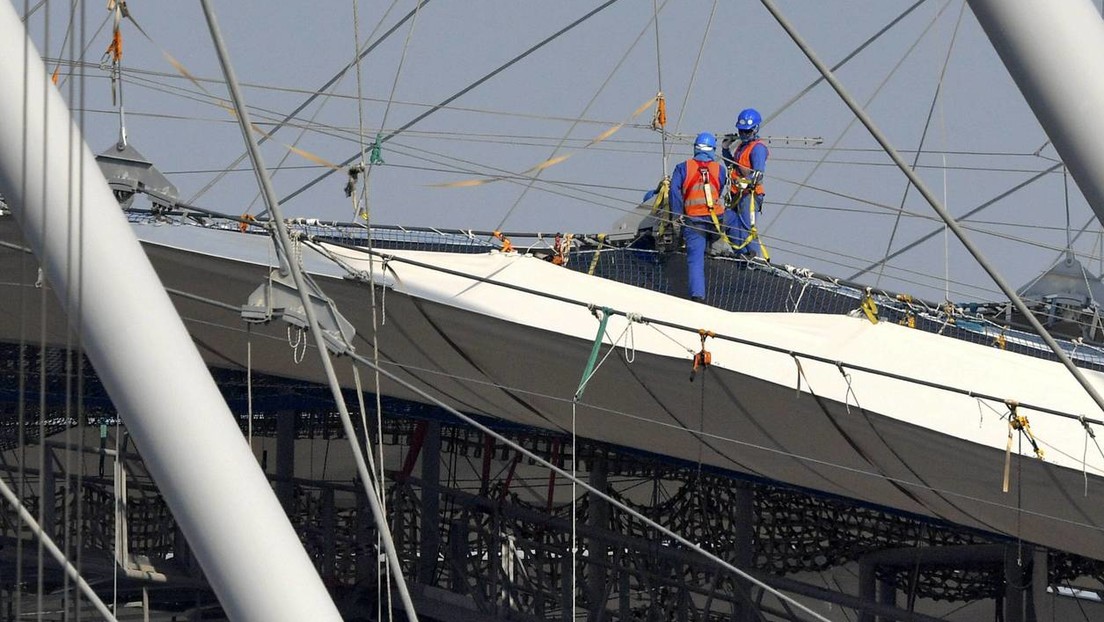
(507, 246)
(703, 358)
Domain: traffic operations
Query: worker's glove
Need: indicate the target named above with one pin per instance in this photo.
(755, 177)
(727, 142)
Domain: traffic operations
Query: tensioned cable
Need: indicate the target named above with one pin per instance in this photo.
(609, 78)
(386, 109)
(40, 585)
(1065, 188)
(877, 91)
(360, 100)
(24, 338)
(70, 373)
(77, 93)
(68, 34)
(356, 373)
(308, 126)
(605, 496)
(134, 71)
(366, 211)
(46, 542)
(922, 188)
(659, 77)
(333, 80)
(844, 61)
(732, 441)
(79, 63)
(312, 320)
(923, 138)
(693, 77)
(979, 208)
(455, 96)
(721, 336)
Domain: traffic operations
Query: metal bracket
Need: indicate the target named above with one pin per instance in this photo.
(277, 298)
(127, 172)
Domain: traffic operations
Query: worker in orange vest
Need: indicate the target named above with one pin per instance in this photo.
(696, 204)
(748, 161)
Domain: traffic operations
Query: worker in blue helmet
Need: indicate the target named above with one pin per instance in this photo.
(695, 199)
(748, 162)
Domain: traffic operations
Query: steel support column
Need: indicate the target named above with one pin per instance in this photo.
(744, 535)
(431, 502)
(598, 551)
(1013, 584)
(1041, 603)
(285, 458)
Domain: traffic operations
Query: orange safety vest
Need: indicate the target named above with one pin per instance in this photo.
(694, 199)
(743, 165)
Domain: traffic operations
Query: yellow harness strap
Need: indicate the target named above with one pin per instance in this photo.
(661, 204)
(1017, 422)
(597, 254)
(753, 233)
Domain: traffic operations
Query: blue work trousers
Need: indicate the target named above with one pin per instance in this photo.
(742, 226)
(699, 233)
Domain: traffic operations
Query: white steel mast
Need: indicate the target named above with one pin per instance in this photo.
(1054, 50)
(143, 354)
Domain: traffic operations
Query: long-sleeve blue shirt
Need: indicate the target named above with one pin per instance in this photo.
(678, 178)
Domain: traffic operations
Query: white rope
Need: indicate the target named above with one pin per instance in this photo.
(612, 348)
(300, 340)
(630, 342)
(850, 392)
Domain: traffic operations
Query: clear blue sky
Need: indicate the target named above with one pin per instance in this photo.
(840, 221)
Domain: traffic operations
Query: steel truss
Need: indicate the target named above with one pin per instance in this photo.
(484, 535)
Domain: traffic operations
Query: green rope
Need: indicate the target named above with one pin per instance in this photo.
(605, 316)
(376, 157)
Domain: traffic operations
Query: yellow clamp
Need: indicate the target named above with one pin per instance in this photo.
(1017, 422)
(870, 308)
(1000, 341)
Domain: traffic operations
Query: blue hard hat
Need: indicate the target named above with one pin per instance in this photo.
(705, 143)
(748, 119)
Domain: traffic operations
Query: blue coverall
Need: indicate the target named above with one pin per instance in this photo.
(742, 220)
(699, 230)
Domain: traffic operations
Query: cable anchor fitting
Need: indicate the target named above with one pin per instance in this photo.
(703, 358)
